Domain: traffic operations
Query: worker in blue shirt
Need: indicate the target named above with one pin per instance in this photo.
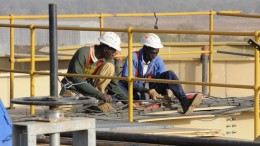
(147, 64)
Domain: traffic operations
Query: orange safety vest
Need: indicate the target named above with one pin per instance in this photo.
(100, 62)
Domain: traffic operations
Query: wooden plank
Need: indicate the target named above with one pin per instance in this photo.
(196, 109)
(150, 119)
(177, 131)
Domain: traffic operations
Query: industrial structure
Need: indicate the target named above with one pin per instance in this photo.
(230, 120)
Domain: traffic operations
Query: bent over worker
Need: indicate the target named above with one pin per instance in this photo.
(146, 64)
(96, 60)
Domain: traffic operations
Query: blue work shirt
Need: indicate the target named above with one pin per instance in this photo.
(155, 68)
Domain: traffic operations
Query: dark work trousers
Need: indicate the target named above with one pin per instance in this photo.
(124, 87)
(160, 87)
(176, 89)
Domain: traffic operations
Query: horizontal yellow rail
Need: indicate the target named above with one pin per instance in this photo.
(135, 79)
(197, 32)
(238, 15)
(165, 44)
(106, 15)
(15, 25)
(58, 16)
(117, 56)
(16, 71)
(40, 59)
(194, 83)
(162, 14)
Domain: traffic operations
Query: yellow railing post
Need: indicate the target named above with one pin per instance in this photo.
(130, 76)
(101, 21)
(211, 22)
(32, 89)
(256, 89)
(11, 61)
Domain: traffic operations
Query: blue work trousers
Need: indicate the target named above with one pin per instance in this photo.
(176, 89)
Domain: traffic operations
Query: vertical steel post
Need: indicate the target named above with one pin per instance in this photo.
(54, 137)
(53, 50)
(211, 49)
(130, 76)
(256, 89)
(11, 61)
(101, 22)
(32, 80)
(204, 59)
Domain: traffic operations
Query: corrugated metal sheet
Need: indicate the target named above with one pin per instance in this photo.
(65, 37)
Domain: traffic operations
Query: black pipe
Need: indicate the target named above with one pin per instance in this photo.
(53, 50)
(233, 53)
(170, 140)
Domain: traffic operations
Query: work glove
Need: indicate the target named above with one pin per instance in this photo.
(107, 98)
(154, 94)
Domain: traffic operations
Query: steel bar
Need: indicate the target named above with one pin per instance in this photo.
(204, 59)
(256, 88)
(238, 15)
(53, 50)
(12, 64)
(54, 137)
(234, 53)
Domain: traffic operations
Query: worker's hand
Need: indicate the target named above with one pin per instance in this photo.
(107, 98)
(154, 94)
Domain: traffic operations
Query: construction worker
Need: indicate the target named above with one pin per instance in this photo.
(96, 60)
(146, 64)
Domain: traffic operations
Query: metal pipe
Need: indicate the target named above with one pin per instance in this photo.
(198, 32)
(161, 14)
(193, 83)
(32, 77)
(204, 58)
(238, 15)
(130, 76)
(54, 137)
(136, 79)
(117, 56)
(11, 62)
(169, 140)
(40, 59)
(101, 22)
(256, 89)
(234, 53)
(108, 15)
(211, 28)
(53, 50)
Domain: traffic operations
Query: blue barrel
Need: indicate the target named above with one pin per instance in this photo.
(5, 126)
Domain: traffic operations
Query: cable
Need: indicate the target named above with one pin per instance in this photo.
(156, 20)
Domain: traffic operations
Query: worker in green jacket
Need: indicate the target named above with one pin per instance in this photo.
(96, 60)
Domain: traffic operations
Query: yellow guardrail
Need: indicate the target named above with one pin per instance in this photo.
(130, 30)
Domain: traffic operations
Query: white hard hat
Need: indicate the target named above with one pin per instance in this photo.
(111, 39)
(151, 40)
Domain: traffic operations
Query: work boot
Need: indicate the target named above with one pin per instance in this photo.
(189, 104)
